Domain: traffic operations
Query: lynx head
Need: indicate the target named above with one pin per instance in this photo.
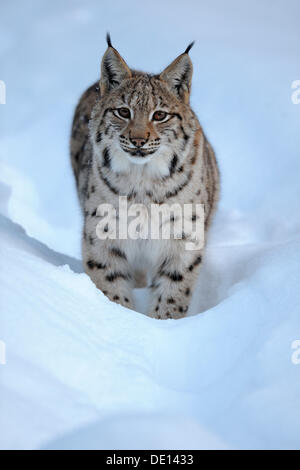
(141, 117)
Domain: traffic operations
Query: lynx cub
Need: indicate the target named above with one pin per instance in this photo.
(136, 136)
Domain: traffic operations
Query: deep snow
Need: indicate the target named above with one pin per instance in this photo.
(83, 372)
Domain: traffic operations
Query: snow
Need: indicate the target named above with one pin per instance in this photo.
(82, 372)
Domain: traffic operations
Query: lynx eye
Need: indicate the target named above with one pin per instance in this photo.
(124, 112)
(159, 116)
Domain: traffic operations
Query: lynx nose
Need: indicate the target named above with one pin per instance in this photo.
(138, 141)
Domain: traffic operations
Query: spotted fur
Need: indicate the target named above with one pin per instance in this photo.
(148, 161)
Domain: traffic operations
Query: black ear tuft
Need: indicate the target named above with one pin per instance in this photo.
(108, 40)
(113, 68)
(189, 47)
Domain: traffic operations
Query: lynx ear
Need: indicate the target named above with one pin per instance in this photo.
(178, 75)
(113, 68)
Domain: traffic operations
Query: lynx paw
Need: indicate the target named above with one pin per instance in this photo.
(168, 308)
(122, 299)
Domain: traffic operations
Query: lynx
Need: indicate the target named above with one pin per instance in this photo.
(135, 135)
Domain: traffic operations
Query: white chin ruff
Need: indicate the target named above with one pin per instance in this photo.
(139, 160)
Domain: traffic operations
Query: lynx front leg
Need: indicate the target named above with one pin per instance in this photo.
(107, 266)
(173, 284)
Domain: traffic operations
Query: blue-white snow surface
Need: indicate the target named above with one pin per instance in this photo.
(83, 372)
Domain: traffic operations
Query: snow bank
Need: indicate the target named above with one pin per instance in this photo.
(74, 358)
(83, 372)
